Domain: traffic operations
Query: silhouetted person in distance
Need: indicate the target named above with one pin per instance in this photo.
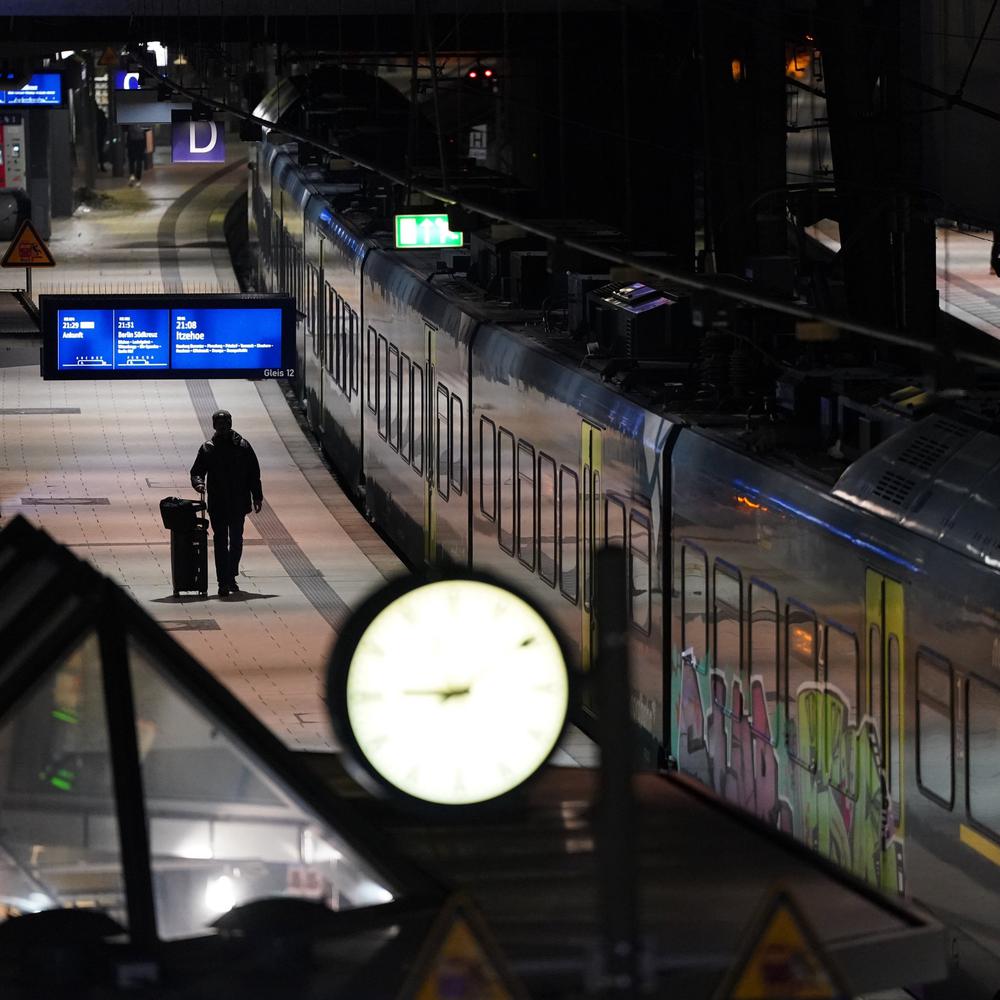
(135, 143)
(228, 468)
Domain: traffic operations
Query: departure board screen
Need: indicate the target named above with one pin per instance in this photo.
(173, 336)
(42, 89)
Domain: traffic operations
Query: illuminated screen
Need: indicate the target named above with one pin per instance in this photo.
(42, 88)
(167, 336)
(212, 338)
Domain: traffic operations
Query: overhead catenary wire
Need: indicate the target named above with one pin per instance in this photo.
(795, 310)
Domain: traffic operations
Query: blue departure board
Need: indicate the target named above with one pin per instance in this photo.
(150, 336)
(44, 89)
(210, 338)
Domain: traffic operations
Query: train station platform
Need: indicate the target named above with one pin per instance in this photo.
(968, 289)
(89, 462)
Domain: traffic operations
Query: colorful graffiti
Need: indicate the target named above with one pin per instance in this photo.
(814, 774)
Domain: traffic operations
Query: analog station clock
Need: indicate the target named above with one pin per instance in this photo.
(450, 693)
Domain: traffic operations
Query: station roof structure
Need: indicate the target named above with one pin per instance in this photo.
(133, 784)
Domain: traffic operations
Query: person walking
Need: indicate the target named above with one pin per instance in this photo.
(135, 144)
(227, 469)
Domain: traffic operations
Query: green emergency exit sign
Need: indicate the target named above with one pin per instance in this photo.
(421, 231)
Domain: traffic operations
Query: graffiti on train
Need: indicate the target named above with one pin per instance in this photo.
(815, 775)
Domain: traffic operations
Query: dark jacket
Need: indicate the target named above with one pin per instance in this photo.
(232, 473)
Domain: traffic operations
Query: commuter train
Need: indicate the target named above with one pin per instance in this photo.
(815, 638)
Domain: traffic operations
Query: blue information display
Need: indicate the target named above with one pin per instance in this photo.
(210, 338)
(179, 336)
(42, 88)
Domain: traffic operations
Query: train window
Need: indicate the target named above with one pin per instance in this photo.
(354, 353)
(727, 620)
(457, 444)
(370, 362)
(381, 366)
(332, 323)
(505, 492)
(312, 311)
(405, 408)
(547, 519)
(392, 406)
(875, 677)
(443, 441)
(614, 522)
(418, 419)
(983, 741)
(935, 728)
(694, 606)
(593, 526)
(843, 688)
(526, 504)
(762, 646)
(339, 362)
(487, 468)
(801, 676)
(639, 560)
(569, 532)
(842, 673)
(893, 731)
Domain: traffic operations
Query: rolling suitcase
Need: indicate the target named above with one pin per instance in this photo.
(188, 544)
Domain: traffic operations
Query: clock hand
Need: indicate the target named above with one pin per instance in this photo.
(443, 693)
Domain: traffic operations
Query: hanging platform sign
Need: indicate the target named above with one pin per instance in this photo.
(167, 336)
(198, 142)
(421, 232)
(27, 249)
(42, 89)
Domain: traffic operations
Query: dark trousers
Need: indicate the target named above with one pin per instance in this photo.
(136, 157)
(227, 538)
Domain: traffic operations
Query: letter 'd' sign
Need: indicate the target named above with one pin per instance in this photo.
(198, 142)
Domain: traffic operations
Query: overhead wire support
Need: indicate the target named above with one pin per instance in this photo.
(691, 282)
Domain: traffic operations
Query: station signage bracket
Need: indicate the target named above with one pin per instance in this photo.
(113, 337)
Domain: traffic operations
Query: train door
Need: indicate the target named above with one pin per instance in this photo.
(435, 468)
(884, 622)
(591, 465)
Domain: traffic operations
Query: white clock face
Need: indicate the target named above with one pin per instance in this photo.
(457, 692)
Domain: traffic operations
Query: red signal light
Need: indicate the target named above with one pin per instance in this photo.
(473, 74)
(487, 72)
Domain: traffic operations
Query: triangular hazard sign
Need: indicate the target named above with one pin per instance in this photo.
(784, 960)
(460, 959)
(108, 58)
(27, 249)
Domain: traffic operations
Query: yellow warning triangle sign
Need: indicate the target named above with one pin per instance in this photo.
(108, 58)
(784, 960)
(27, 249)
(459, 958)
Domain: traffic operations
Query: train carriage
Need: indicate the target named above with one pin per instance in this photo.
(336, 253)
(573, 464)
(823, 652)
(416, 412)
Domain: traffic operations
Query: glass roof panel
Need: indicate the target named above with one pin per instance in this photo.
(222, 830)
(59, 832)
